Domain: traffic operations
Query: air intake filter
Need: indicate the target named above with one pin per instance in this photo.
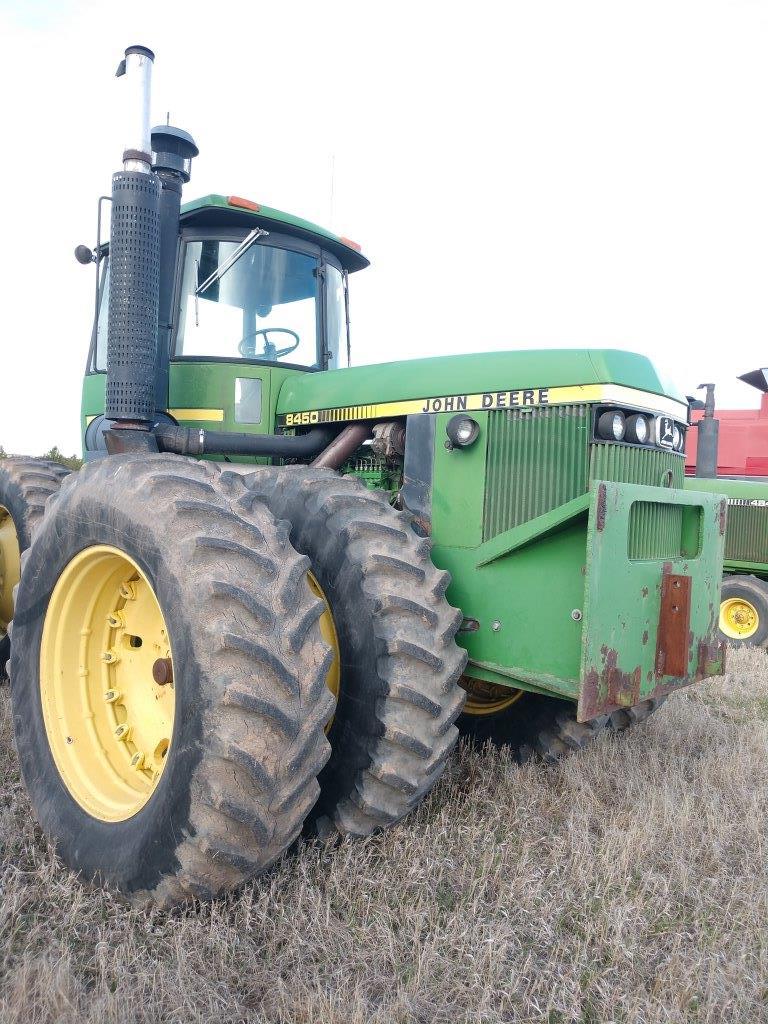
(134, 254)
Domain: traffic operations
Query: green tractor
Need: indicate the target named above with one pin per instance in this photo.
(281, 587)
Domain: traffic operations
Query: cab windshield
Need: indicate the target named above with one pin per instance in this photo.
(264, 306)
(272, 304)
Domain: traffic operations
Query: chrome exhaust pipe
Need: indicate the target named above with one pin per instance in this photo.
(134, 255)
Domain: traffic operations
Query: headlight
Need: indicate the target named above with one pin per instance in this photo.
(679, 439)
(462, 431)
(638, 429)
(611, 425)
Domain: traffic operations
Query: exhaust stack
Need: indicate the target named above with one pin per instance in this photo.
(708, 428)
(172, 154)
(135, 271)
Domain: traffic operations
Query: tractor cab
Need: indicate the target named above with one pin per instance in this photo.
(255, 295)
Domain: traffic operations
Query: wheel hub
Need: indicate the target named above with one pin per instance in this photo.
(485, 698)
(109, 721)
(329, 634)
(739, 619)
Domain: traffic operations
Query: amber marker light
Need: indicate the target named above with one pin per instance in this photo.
(244, 204)
(350, 244)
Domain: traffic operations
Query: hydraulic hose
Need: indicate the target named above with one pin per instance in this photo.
(191, 441)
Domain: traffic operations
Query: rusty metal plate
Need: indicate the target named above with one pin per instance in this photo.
(672, 651)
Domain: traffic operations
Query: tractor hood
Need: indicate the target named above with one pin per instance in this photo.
(478, 381)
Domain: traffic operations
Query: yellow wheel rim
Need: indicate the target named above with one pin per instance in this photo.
(739, 619)
(485, 698)
(106, 683)
(331, 637)
(10, 562)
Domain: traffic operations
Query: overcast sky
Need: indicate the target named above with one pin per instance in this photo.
(521, 174)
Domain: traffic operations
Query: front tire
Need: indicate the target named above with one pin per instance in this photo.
(168, 679)
(400, 664)
(532, 725)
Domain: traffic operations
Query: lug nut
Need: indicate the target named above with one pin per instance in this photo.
(137, 761)
(115, 620)
(111, 696)
(111, 657)
(122, 733)
(162, 671)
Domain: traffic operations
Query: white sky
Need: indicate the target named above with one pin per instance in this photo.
(521, 174)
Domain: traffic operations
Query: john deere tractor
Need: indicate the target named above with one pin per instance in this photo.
(281, 587)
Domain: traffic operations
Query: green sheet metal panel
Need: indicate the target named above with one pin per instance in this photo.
(474, 373)
(623, 659)
(522, 604)
(208, 388)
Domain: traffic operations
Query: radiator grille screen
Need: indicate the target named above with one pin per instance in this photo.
(655, 531)
(536, 461)
(746, 538)
(539, 459)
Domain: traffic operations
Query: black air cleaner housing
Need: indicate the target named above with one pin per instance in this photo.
(134, 254)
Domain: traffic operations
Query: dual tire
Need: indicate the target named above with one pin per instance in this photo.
(243, 667)
(171, 670)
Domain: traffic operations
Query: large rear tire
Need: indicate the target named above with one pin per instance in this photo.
(25, 486)
(399, 696)
(168, 679)
(532, 725)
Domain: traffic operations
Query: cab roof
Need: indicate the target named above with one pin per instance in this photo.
(232, 211)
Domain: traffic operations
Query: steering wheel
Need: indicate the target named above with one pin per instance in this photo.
(248, 351)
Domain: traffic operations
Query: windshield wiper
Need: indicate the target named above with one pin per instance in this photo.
(231, 260)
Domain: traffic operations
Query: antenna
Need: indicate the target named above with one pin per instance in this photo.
(333, 183)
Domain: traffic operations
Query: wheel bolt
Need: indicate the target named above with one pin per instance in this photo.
(115, 620)
(122, 732)
(162, 671)
(111, 657)
(137, 761)
(112, 695)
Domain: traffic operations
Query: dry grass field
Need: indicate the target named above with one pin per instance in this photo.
(628, 885)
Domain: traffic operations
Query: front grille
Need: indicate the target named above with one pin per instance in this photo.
(746, 538)
(540, 458)
(629, 464)
(536, 461)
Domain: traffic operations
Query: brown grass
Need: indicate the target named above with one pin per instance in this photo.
(627, 885)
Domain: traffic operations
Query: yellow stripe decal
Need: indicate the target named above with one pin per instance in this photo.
(527, 397)
(198, 415)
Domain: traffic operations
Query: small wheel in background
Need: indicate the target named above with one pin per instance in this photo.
(744, 611)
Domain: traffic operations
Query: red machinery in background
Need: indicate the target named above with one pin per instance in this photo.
(742, 446)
